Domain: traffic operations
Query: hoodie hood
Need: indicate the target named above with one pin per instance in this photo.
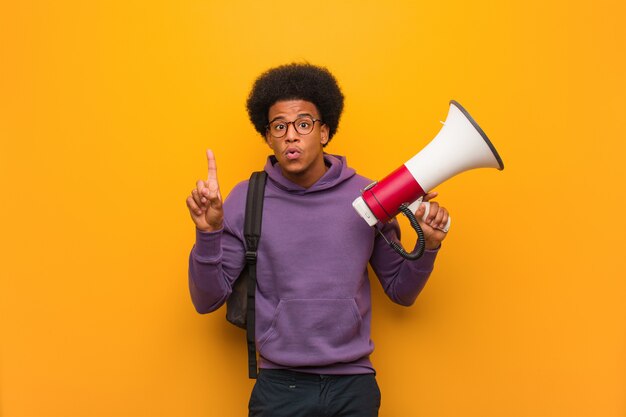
(338, 172)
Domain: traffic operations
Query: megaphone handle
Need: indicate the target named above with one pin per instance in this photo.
(415, 205)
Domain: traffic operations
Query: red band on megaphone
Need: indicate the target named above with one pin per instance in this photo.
(395, 189)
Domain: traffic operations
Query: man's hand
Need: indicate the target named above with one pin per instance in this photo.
(205, 201)
(436, 220)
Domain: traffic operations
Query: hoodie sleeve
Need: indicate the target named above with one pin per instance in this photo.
(401, 279)
(217, 258)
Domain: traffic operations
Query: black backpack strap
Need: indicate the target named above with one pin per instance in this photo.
(252, 234)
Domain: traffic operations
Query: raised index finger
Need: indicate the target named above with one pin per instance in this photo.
(211, 183)
(212, 166)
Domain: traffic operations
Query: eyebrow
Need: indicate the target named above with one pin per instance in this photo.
(297, 117)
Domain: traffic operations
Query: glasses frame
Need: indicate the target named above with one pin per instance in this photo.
(267, 128)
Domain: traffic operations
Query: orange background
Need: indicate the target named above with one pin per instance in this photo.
(107, 107)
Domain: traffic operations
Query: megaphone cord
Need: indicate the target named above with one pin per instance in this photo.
(421, 244)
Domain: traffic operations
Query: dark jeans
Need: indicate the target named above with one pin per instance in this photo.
(280, 393)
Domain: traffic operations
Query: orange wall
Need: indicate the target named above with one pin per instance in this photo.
(106, 109)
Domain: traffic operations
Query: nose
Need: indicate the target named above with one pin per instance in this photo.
(291, 135)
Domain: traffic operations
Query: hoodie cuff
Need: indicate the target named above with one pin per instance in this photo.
(428, 258)
(208, 245)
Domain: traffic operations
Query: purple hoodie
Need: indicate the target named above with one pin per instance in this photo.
(313, 305)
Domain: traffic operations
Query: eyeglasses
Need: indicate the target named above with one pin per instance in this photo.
(303, 125)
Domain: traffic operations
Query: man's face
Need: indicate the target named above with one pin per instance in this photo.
(300, 156)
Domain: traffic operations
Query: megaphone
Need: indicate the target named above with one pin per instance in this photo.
(459, 146)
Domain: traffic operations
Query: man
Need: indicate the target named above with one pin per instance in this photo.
(313, 307)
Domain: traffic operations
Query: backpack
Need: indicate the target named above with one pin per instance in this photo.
(240, 303)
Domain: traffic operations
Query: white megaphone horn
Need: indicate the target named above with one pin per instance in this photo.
(459, 146)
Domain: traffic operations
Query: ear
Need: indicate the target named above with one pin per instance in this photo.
(324, 134)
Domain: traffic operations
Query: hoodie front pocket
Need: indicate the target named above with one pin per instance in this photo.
(315, 332)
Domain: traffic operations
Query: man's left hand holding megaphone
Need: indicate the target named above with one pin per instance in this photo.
(433, 219)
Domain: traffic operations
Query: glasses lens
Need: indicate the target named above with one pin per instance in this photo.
(304, 125)
(278, 128)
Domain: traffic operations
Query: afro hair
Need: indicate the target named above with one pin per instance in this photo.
(296, 82)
